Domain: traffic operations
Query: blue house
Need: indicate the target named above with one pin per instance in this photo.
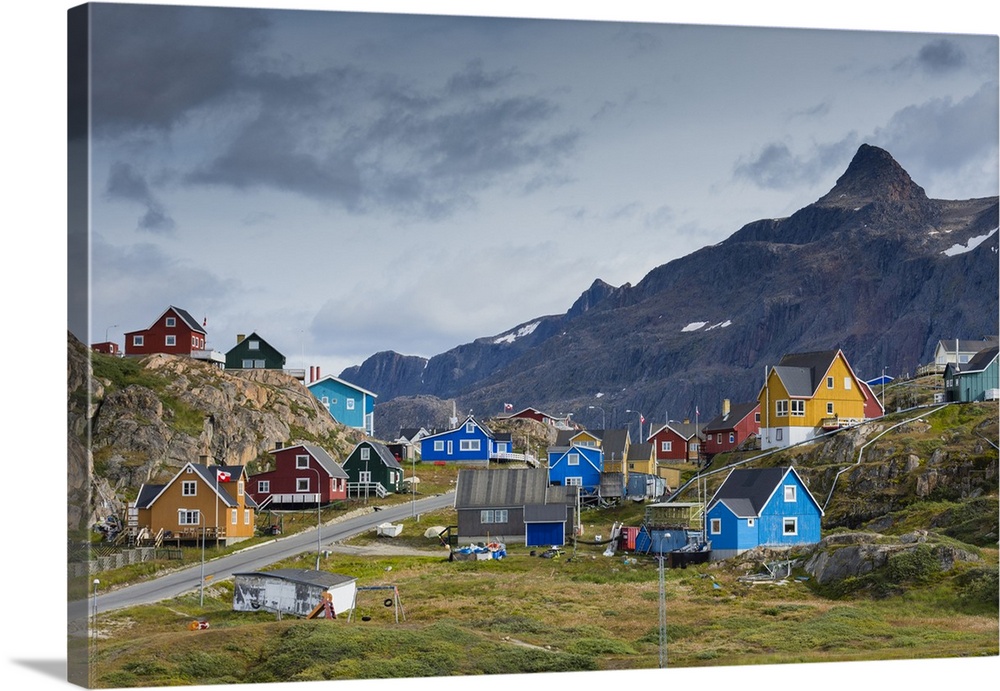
(762, 507)
(470, 442)
(576, 465)
(348, 404)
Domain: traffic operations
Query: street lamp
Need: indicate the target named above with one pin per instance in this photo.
(113, 326)
(318, 523)
(663, 608)
(604, 423)
(204, 529)
(413, 486)
(93, 637)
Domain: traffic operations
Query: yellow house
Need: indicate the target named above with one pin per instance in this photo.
(807, 394)
(641, 459)
(199, 498)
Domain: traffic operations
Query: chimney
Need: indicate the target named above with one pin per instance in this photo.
(239, 338)
(725, 407)
(203, 459)
(311, 372)
(278, 445)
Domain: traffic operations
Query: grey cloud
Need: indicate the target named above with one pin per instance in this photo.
(777, 167)
(475, 79)
(151, 65)
(941, 56)
(125, 182)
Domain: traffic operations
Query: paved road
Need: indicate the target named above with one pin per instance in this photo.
(252, 559)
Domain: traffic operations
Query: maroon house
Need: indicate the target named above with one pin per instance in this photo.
(107, 347)
(301, 472)
(174, 332)
(676, 442)
(534, 414)
(730, 428)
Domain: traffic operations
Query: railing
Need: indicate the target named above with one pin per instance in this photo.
(366, 488)
(294, 498)
(509, 456)
(836, 422)
(297, 373)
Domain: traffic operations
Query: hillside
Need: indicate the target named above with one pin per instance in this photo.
(146, 418)
(873, 267)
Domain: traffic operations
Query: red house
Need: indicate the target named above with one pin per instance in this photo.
(534, 414)
(107, 347)
(873, 407)
(174, 332)
(733, 426)
(301, 473)
(676, 442)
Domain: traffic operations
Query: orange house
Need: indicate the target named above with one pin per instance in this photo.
(199, 498)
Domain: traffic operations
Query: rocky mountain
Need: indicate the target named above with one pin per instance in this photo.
(873, 267)
(144, 419)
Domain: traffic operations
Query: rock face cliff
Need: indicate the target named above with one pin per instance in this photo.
(144, 419)
(873, 267)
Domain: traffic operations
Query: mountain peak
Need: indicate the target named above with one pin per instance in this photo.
(873, 175)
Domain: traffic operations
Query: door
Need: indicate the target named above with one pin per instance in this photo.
(543, 534)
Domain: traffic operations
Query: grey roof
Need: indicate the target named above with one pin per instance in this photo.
(801, 373)
(737, 412)
(966, 346)
(981, 360)
(149, 493)
(188, 319)
(686, 430)
(545, 513)
(504, 487)
(612, 440)
(325, 460)
(747, 490)
(562, 494)
(323, 579)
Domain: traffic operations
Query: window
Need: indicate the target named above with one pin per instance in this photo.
(829, 408)
(326, 401)
(301, 484)
(259, 364)
(239, 488)
(847, 383)
(799, 408)
(715, 526)
(234, 516)
(350, 403)
(732, 437)
(574, 482)
(302, 461)
(194, 342)
(170, 340)
(781, 408)
(493, 516)
(718, 438)
(189, 488)
(790, 492)
(439, 445)
(470, 427)
(253, 345)
(829, 382)
(188, 517)
(246, 516)
(264, 486)
(137, 340)
(777, 434)
(366, 453)
(750, 523)
(365, 476)
(756, 417)
(666, 446)
(468, 445)
(573, 459)
(248, 364)
(171, 321)
(790, 526)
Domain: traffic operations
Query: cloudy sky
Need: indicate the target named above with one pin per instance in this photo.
(346, 183)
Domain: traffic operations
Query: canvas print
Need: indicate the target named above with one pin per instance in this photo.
(408, 346)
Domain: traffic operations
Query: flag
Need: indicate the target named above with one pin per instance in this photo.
(642, 420)
(696, 411)
(508, 406)
(223, 476)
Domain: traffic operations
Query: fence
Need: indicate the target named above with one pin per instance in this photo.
(119, 559)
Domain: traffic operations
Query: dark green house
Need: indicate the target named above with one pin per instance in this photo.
(976, 380)
(372, 470)
(253, 352)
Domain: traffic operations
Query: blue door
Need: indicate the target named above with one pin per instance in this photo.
(543, 534)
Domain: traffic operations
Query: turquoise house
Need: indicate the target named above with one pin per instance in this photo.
(757, 507)
(976, 380)
(347, 403)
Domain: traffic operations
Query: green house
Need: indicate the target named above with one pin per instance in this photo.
(372, 470)
(253, 352)
(976, 380)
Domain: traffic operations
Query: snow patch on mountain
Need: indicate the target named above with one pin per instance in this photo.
(514, 335)
(969, 246)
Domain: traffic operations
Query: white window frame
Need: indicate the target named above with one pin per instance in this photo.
(781, 407)
(239, 488)
(847, 383)
(247, 363)
(170, 340)
(829, 382)
(253, 345)
(790, 525)
(137, 340)
(170, 322)
(715, 526)
(301, 461)
(798, 408)
(732, 437)
(778, 436)
(756, 417)
(185, 516)
(302, 484)
(470, 427)
(666, 446)
(349, 403)
(439, 445)
(750, 523)
(574, 482)
(791, 493)
(189, 488)
(493, 516)
(258, 364)
(573, 459)
(829, 408)
(246, 516)
(718, 438)
(263, 486)
(326, 401)
(366, 453)
(468, 445)
(365, 476)
(234, 516)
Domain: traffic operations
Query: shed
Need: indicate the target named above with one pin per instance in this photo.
(292, 591)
